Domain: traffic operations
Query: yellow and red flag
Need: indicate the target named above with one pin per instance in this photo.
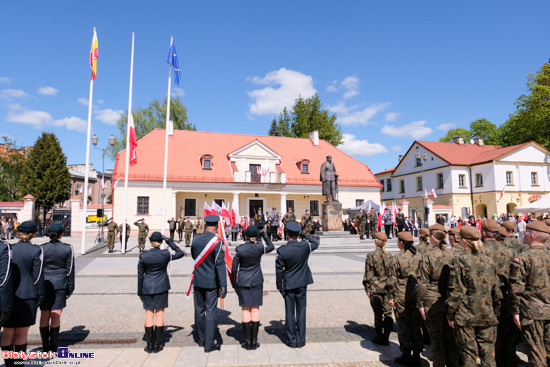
(93, 57)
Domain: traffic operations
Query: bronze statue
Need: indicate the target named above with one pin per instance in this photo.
(329, 178)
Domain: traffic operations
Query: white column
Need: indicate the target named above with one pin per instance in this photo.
(174, 205)
(235, 203)
(283, 203)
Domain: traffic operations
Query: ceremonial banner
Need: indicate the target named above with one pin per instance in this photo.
(93, 56)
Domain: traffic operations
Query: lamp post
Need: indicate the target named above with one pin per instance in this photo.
(103, 150)
(421, 158)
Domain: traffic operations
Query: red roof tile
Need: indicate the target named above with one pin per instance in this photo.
(11, 203)
(185, 148)
(385, 171)
(97, 206)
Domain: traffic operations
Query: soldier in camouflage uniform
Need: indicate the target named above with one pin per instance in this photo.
(502, 256)
(142, 234)
(112, 229)
(511, 240)
(424, 237)
(361, 220)
(474, 299)
(307, 222)
(288, 217)
(530, 277)
(188, 229)
(128, 229)
(375, 282)
(372, 220)
(431, 292)
(199, 229)
(454, 238)
(404, 271)
(547, 221)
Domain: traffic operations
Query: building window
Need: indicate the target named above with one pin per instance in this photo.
(207, 164)
(383, 187)
(418, 162)
(206, 161)
(79, 188)
(419, 183)
(440, 180)
(143, 205)
(219, 202)
(359, 202)
(401, 186)
(314, 207)
(255, 173)
(290, 204)
(388, 184)
(305, 168)
(479, 179)
(534, 179)
(461, 180)
(190, 207)
(509, 178)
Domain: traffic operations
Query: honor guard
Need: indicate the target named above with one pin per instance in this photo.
(188, 229)
(307, 222)
(142, 234)
(112, 229)
(288, 217)
(361, 220)
(128, 229)
(372, 222)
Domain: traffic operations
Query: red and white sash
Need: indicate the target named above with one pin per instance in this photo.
(205, 252)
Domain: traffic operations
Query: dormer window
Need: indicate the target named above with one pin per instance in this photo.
(206, 161)
(207, 164)
(303, 166)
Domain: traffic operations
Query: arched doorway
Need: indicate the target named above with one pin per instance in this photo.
(510, 208)
(481, 211)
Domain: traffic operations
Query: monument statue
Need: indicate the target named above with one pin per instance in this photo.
(329, 178)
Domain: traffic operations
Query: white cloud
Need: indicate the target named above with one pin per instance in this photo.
(47, 91)
(283, 86)
(355, 147)
(72, 123)
(178, 92)
(107, 116)
(333, 87)
(12, 93)
(5, 80)
(415, 130)
(83, 101)
(445, 127)
(350, 85)
(41, 119)
(392, 116)
(396, 148)
(354, 115)
(100, 101)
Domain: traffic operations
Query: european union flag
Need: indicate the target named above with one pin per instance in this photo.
(173, 60)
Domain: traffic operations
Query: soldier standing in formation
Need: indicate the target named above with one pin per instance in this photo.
(112, 229)
(400, 220)
(511, 240)
(307, 222)
(372, 220)
(424, 237)
(274, 222)
(454, 240)
(188, 229)
(142, 234)
(172, 227)
(128, 230)
(361, 220)
(199, 227)
(180, 224)
(288, 217)
(376, 282)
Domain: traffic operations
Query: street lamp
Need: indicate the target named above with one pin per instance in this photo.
(103, 150)
(420, 159)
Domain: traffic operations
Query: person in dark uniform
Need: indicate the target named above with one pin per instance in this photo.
(293, 276)
(274, 221)
(259, 222)
(28, 290)
(59, 285)
(400, 220)
(6, 283)
(209, 280)
(172, 227)
(180, 222)
(248, 281)
(153, 286)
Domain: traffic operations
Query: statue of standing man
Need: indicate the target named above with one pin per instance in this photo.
(329, 178)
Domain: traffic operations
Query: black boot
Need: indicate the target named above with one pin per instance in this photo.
(8, 361)
(54, 336)
(254, 344)
(388, 327)
(45, 336)
(247, 332)
(19, 348)
(404, 360)
(149, 339)
(378, 337)
(158, 339)
(415, 361)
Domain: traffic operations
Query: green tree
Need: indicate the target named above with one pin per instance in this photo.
(531, 120)
(45, 173)
(480, 128)
(150, 118)
(11, 163)
(307, 115)
(465, 133)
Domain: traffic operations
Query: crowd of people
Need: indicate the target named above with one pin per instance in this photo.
(8, 227)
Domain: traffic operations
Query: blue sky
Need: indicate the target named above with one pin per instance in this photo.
(393, 71)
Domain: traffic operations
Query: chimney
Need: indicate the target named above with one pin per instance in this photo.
(478, 141)
(458, 140)
(400, 157)
(314, 137)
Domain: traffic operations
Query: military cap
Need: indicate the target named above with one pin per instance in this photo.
(274, 208)
(423, 231)
(212, 219)
(381, 236)
(489, 225)
(56, 228)
(27, 227)
(539, 226)
(405, 236)
(547, 221)
(293, 227)
(454, 231)
(437, 227)
(307, 210)
(470, 233)
(508, 225)
(251, 231)
(156, 237)
(502, 231)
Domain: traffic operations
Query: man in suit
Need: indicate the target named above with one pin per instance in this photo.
(209, 281)
(293, 276)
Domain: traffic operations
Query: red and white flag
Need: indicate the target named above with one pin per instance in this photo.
(394, 214)
(102, 186)
(502, 192)
(225, 212)
(114, 184)
(133, 140)
(216, 209)
(432, 191)
(207, 209)
(426, 194)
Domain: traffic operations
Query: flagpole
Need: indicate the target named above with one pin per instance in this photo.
(123, 244)
(166, 143)
(85, 193)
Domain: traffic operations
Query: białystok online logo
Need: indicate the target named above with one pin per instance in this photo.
(62, 353)
(66, 353)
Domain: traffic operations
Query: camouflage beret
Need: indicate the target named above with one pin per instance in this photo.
(381, 236)
(437, 227)
(405, 236)
(539, 226)
(509, 225)
(470, 233)
(424, 232)
(454, 231)
(489, 225)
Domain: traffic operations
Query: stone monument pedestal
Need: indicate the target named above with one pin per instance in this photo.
(331, 213)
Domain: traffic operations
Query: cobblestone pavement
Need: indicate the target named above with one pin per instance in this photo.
(105, 316)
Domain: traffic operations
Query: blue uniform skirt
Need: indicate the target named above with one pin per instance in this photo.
(250, 296)
(54, 299)
(157, 301)
(23, 313)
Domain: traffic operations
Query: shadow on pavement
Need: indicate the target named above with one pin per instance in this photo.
(74, 336)
(276, 328)
(363, 330)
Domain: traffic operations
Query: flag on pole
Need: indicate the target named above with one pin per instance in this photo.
(93, 57)
(432, 191)
(207, 209)
(225, 212)
(216, 208)
(173, 60)
(502, 192)
(394, 213)
(102, 186)
(426, 194)
(133, 140)
(114, 184)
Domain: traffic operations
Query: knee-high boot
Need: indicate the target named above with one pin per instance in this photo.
(158, 339)
(8, 361)
(45, 336)
(254, 344)
(247, 332)
(388, 327)
(54, 337)
(149, 339)
(19, 348)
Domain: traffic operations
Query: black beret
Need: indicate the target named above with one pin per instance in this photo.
(251, 231)
(212, 220)
(56, 228)
(293, 227)
(27, 227)
(156, 237)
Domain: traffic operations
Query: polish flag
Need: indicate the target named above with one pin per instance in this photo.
(225, 212)
(207, 209)
(502, 192)
(426, 194)
(102, 186)
(133, 140)
(114, 184)
(432, 191)
(216, 209)
(394, 214)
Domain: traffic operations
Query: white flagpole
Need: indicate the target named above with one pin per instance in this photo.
(166, 143)
(85, 193)
(122, 245)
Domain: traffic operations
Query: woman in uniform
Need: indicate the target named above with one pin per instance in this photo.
(404, 269)
(28, 291)
(375, 281)
(58, 283)
(474, 300)
(153, 286)
(248, 281)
